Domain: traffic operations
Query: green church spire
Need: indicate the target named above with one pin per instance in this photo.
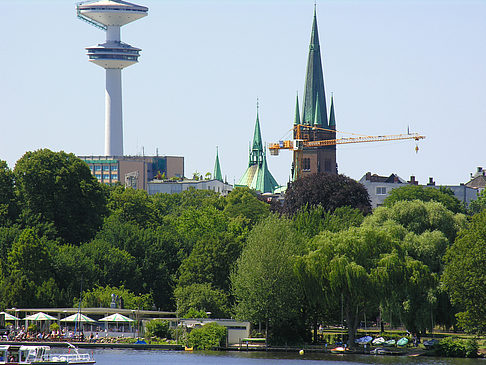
(314, 82)
(217, 168)
(332, 118)
(257, 135)
(297, 111)
(256, 153)
(257, 176)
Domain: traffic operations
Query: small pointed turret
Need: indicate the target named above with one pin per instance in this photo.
(217, 168)
(297, 111)
(332, 118)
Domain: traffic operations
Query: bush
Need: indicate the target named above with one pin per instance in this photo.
(32, 328)
(209, 336)
(453, 347)
(54, 327)
(194, 313)
(158, 328)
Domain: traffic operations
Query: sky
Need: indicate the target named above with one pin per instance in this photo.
(389, 64)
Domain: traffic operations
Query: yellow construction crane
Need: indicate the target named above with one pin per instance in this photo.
(301, 141)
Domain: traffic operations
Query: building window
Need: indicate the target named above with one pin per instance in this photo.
(306, 164)
(114, 168)
(106, 177)
(97, 168)
(114, 176)
(380, 190)
(106, 168)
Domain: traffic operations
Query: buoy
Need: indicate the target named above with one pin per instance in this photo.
(301, 352)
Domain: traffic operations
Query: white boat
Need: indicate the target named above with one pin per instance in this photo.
(41, 355)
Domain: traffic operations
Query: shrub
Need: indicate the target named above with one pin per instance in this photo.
(158, 328)
(54, 327)
(194, 313)
(209, 336)
(32, 327)
(453, 347)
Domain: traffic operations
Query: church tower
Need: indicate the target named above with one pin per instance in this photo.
(257, 176)
(315, 125)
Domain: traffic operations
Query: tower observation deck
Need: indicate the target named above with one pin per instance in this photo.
(113, 56)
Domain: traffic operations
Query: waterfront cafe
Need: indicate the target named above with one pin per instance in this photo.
(117, 322)
(94, 320)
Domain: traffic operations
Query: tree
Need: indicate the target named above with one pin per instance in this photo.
(264, 283)
(425, 194)
(311, 221)
(202, 298)
(101, 297)
(478, 205)
(58, 187)
(8, 202)
(357, 269)
(29, 267)
(328, 190)
(465, 274)
(131, 205)
(418, 217)
(243, 202)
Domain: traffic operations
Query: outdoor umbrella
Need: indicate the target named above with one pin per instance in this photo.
(9, 317)
(78, 317)
(117, 317)
(41, 316)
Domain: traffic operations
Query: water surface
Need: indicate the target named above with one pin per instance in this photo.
(153, 357)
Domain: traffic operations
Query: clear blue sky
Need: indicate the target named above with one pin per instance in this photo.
(390, 64)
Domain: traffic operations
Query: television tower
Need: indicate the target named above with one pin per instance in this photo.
(113, 56)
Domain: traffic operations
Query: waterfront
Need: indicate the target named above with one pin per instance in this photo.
(153, 357)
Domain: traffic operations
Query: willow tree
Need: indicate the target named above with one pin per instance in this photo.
(360, 269)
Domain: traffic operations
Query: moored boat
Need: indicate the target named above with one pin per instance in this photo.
(378, 341)
(402, 342)
(339, 350)
(41, 355)
(363, 340)
(390, 343)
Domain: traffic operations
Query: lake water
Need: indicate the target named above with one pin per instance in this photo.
(153, 357)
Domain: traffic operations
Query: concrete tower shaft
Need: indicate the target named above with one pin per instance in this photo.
(113, 56)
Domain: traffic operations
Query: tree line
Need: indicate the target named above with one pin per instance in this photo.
(322, 258)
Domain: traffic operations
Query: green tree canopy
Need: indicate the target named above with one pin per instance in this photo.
(59, 188)
(202, 298)
(101, 297)
(243, 202)
(328, 190)
(425, 194)
(264, 283)
(478, 205)
(418, 217)
(8, 202)
(465, 274)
